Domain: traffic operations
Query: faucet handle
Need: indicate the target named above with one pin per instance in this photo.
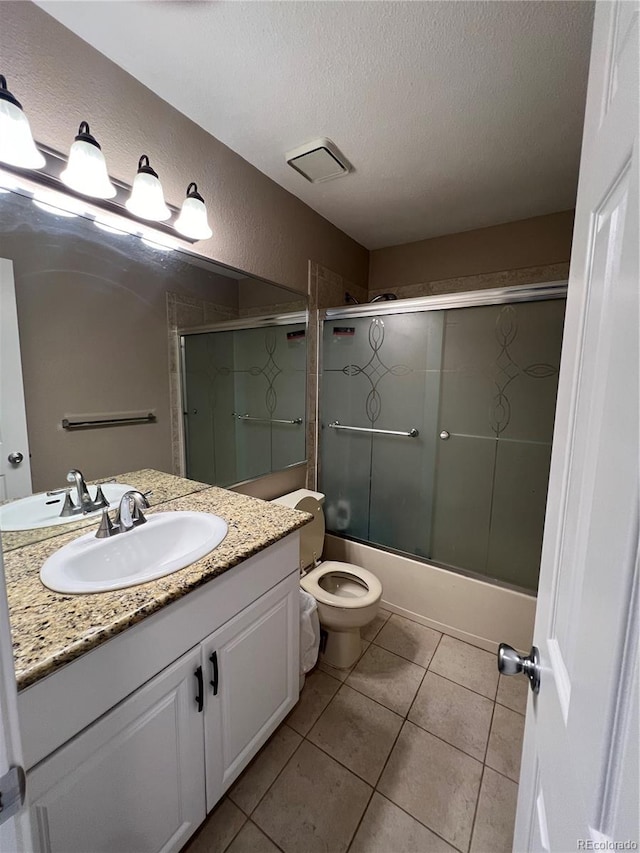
(100, 501)
(106, 528)
(68, 507)
(137, 516)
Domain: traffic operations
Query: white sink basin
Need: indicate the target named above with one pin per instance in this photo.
(168, 541)
(44, 510)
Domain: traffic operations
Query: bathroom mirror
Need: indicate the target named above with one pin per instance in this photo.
(98, 316)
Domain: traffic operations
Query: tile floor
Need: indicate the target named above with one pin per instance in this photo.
(416, 749)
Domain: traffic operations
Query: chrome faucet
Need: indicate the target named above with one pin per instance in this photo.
(75, 476)
(130, 510)
(86, 503)
(128, 515)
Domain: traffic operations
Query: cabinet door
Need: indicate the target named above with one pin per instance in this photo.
(252, 667)
(133, 781)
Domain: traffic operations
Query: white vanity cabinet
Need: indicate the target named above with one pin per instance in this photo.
(137, 773)
(251, 683)
(132, 782)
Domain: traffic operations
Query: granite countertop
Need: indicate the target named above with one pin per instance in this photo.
(163, 487)
(50, 629)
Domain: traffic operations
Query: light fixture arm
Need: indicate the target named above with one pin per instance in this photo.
(84, 135)
(6, 95)
(192, 192)
(145, 166)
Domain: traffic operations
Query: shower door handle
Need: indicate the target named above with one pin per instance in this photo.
(510, 662)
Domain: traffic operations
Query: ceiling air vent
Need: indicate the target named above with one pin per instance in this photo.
(318, 161)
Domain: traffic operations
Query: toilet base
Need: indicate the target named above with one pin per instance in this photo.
(342, 648)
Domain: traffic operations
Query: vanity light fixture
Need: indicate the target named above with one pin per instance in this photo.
(147, 198)
(86, 171)
(192, 221)
(17, 147)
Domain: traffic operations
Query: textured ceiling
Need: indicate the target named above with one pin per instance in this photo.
(455, 115)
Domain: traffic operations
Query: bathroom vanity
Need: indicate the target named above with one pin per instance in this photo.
(140, 707)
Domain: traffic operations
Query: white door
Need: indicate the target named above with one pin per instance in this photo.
(252, 680)
(14, 831)
(15, 468)
(133, 782)
(579, 779)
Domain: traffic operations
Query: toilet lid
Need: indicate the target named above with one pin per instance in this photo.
(312, 534)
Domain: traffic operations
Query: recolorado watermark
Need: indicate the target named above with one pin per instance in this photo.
(590, 844)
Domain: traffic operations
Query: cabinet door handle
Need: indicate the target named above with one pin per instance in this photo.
(200, 693)
(214, 665)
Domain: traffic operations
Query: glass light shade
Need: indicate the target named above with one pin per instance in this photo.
(192, 221)
(147, 199)
(17, 147)
(86, 171)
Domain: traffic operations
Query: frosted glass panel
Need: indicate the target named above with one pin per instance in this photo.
(498, 394)
(486, 378)
(381, 373)
(259, 373)
(209, 433)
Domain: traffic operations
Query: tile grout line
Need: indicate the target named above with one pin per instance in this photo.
(475, 811)
(355, 831)
(236, 834)
(426, 670)
(486, 749)
(499, 773)
(303, 738)
(417, 820)
(375, 786)
(404, 657)
(279, 773)
(259, 828)
(452, 745)
(384, 766)
(428, 667)
(382, 705)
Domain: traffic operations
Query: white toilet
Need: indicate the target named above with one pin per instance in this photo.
(348, 596)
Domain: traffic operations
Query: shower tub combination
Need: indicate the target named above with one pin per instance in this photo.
(436, 428)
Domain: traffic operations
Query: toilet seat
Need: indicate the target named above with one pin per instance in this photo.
(349, 597)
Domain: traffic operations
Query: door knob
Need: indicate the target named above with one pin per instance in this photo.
(15, 458)
(511, 663)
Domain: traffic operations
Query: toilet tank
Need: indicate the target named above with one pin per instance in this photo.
(312, 534)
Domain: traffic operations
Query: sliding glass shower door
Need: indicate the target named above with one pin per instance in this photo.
(381, 374)
(478, 385)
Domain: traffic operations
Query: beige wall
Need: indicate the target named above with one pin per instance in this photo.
(529, 243)
(258, 226)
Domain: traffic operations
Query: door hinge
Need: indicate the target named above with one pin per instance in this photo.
(12, 792)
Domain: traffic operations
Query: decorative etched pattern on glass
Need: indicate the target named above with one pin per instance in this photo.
(507, 369)
(270, 371)
(375, 370)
